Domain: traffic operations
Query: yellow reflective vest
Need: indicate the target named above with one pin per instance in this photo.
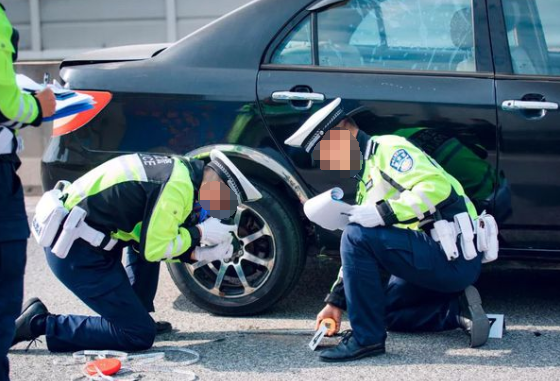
(15, 106)
(407, 185)
(142, 198)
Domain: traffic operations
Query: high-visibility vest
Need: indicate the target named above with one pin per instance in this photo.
(407, 185)
(16, 108)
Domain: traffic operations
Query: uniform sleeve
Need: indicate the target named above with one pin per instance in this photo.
(165, 238)
(336, 297)
(14, 105)
(422, 184)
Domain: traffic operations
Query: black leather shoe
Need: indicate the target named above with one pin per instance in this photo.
(348, 349)
(31, 308)
(472, 317)
(28, 303)
(163, 327)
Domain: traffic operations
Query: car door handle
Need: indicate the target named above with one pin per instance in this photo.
(512, 105)
(288, 96)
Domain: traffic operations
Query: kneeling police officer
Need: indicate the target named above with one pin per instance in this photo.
(411, 219)
(140, 200)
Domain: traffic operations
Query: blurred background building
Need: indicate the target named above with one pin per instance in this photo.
(55, 29)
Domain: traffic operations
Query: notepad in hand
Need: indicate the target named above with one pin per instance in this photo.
(328, 210)
(72, 105)
(68, 102)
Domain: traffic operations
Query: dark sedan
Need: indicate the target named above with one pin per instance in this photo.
(475, 83)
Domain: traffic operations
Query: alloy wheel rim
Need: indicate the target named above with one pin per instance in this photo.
(249, 268)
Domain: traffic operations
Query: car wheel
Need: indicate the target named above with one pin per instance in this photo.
(267, 263)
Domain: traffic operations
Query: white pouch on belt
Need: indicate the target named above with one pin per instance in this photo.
(444, 232)
(49, 214)
(70, 232)
(75, 227)
(464, 226)
(487, 237)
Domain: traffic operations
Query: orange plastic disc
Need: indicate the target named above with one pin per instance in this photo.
(105, 366)
(330, 324)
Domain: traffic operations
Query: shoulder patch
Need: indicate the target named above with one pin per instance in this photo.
(402, 161)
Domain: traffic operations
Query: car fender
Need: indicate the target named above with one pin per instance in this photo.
(262, 160)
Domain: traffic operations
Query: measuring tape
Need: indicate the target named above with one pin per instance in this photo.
(104, 365)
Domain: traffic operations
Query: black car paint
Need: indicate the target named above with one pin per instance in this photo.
(202, 85)
(529, 151)
(205, 76)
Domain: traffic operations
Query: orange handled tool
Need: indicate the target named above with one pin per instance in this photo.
(330, 324)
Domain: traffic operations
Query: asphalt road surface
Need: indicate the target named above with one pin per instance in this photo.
(530, 349)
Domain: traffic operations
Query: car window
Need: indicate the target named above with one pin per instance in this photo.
(398, 34)
(533, 30)
(368, 32)
(296, 47)
(548, 11)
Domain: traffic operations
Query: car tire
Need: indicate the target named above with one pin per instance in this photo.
(283, 234)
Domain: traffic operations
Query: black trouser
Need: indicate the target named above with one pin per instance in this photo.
(122, 298)
(13, 243)
(423, 292)
(12, 266)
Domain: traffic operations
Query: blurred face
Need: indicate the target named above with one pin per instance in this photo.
(339, 151)
(215, 196)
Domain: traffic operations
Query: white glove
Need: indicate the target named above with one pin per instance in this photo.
(366, 215)
(213, 232)
(219, 252)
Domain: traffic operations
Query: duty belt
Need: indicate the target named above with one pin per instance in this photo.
(447, 233)
(75, 227)
(56, 227)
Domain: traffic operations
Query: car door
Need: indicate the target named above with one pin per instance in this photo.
(399, 66)
(526, 45)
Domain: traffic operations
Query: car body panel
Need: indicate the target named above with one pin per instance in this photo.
(398, 101)
(529, 154)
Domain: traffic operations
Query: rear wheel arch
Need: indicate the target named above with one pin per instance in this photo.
(256, 164)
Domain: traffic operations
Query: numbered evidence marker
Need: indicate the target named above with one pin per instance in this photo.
(497, 326)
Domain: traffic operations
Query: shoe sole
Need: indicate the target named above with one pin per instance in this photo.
(480, 323)
(358, 357)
